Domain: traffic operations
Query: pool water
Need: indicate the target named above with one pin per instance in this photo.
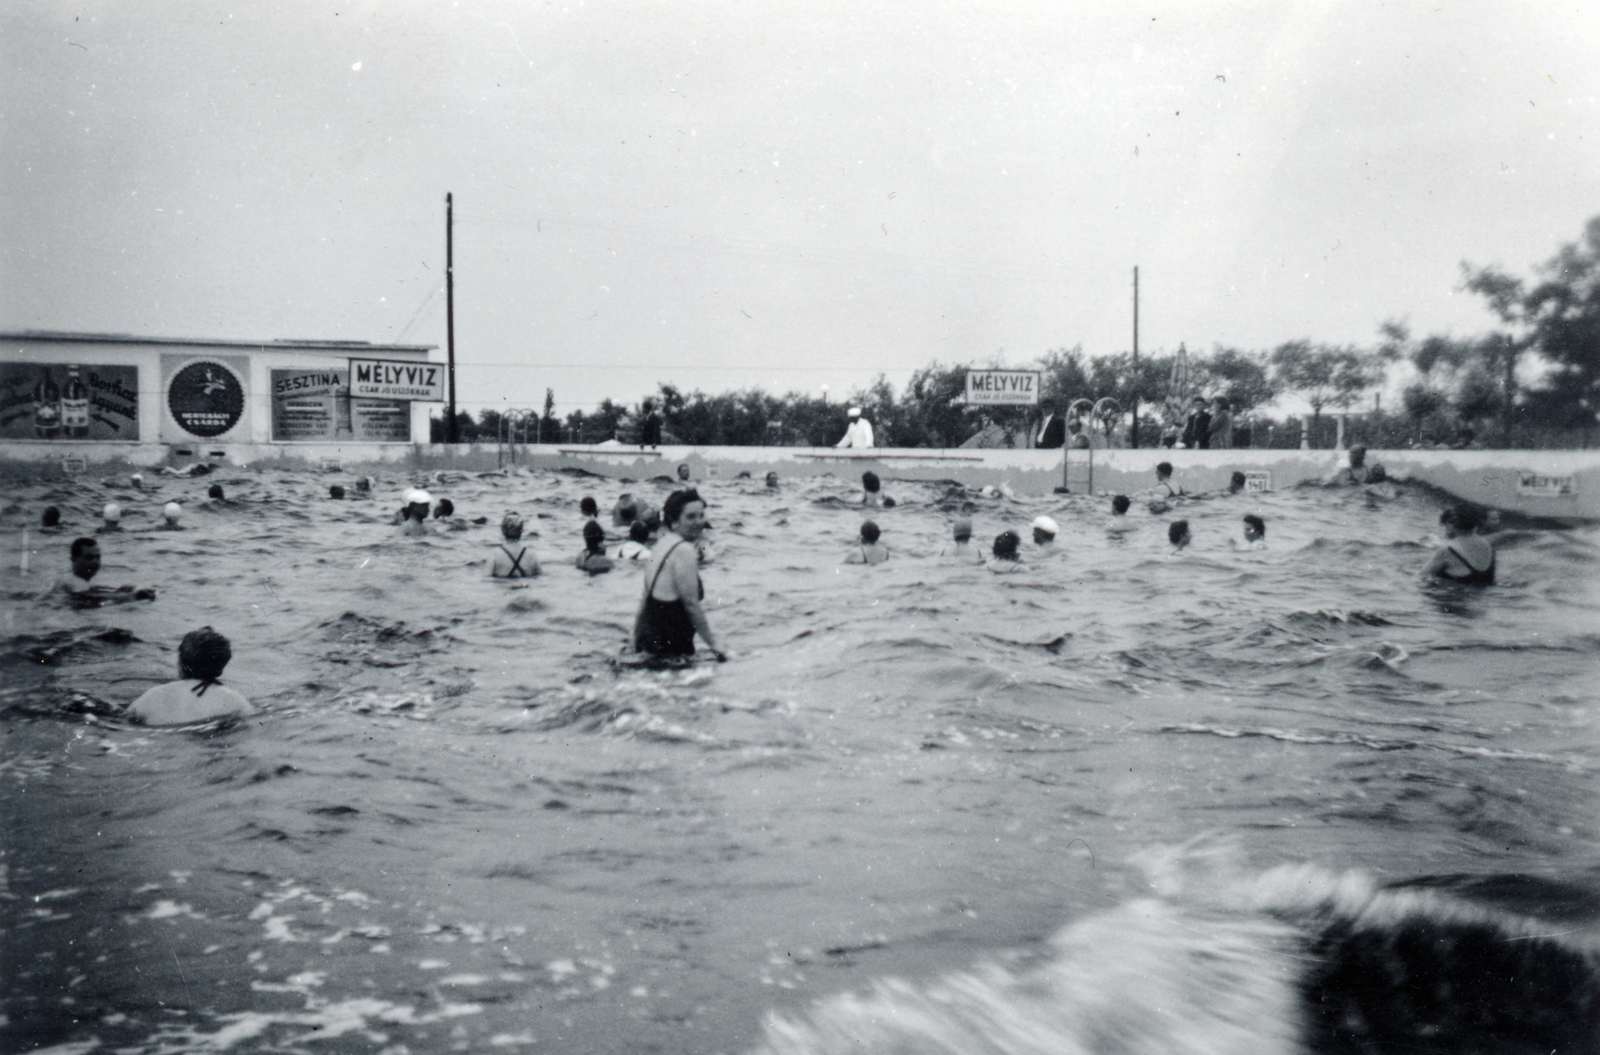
(456, 823)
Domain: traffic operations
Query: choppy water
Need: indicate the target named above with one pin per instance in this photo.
(456, 825)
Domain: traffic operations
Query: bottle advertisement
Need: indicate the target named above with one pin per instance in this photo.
(69, 401)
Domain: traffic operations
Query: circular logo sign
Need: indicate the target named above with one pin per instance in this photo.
(205, 398)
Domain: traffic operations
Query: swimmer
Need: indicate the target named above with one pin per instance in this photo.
(670, 613)
(638, 545)
(626, 509)
(137, 480)
(1119, 524)
(1119, 506)
(199, 694)
(588, 508)
(444, 510)
(1466, 557)
(363, 485)
(85, 558)
(1007, 552)
(1236, 482)
(1178, 535)
(868, 549)
(414, 517)
(214, 492)
(335, 491)
(518, 565)
(683, 472)
(1255, 532)
(961, 550)
(50, 519)
(1044, 535)
(171, 513)
(1164, 480)
(870, 486)
(772, 480)
(593, 559)
(112, 515)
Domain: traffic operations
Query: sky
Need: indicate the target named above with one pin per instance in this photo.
(737, 194)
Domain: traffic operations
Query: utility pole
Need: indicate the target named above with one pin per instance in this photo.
(1133, 437)
(453, 432)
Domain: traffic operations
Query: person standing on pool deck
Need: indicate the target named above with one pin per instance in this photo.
(199, 695)
(669, 611)
(1466, 557)
(858, 433)
(649, 425)
(518, 565)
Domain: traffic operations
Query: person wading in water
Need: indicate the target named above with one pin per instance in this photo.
(669, 611)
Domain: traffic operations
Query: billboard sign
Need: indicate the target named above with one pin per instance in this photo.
(205, 395)
(397, 379)
(1539, 485)
(317, 406)
(68, 401)
(1003, 387)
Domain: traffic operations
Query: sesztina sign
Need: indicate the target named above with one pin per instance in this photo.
(397, 379)
(1002, 387)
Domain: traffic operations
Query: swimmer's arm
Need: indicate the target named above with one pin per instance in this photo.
(687, 580)
(1439, 562)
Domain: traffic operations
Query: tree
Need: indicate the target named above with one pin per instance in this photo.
(1560, 318)
(1324, 374)
(1237, 376)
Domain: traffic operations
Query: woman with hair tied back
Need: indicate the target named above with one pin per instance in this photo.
(199, 694)
(1466, 557)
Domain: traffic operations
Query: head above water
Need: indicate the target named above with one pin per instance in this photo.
(1006, 545)
(335, 491)
(1236, 482)
(173, 512)
(1044, 530)
(683, 472)
(680, 502)
(639, 532)
(112, 513)
(1463, 518)
(588, 507)
(445, 508)
(1119, 505)
(594, 537)
(1178, 533)
(1163, 470)
(1358, 457)
(1254, 527)
(215, 491)
(138, 480)
(772, 479)
(962, 530)
(626, 508)
(203, 654)
(85, 557)
(511, 526)
(870, 482)
(869, 532)
(363, 484)
(51, 517)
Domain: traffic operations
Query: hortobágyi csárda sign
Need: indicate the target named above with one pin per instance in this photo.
(1002, 387)
(397, 379)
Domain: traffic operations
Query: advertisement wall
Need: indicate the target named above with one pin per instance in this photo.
(311, 406)
(69, 401)
(204, 397)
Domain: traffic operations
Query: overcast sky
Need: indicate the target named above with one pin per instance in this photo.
(783, 195)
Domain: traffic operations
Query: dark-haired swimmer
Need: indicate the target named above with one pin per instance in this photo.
(1119, 523)
(868, 549)
(588, 508)
(85, 557)
(50, 519)
(1466, 557)
(1255, 532)
(670, 613)
(870, 488)
(593, 559)
(199, 695)
(1236, 482)
(637, 548)
(1007, 552)
(1178, 535)
(772, 480)
(214, 492)
(335, 491)
(683, 472)
(518, 565)
(1164, 480)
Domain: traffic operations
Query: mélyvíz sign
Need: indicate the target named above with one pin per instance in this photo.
(397, 379)
(1003, 387)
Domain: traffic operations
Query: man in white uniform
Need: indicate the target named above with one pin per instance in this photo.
(859, 432)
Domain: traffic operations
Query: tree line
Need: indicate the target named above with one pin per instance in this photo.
(1534, 381)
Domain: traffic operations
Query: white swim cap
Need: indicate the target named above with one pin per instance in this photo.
(138, 479)
(172, 511)
(1045, 524)
(420, 496)
(112, 512)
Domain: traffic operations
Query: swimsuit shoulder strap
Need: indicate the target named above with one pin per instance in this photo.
(651, 592)
(1470, 566)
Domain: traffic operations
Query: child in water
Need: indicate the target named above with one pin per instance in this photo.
(593, 559)
(868, 549)
(509, 565)
(199, 694)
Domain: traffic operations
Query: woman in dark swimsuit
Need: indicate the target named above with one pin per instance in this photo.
(669, 612)
(1465, 557)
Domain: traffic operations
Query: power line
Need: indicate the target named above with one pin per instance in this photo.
(675, 368)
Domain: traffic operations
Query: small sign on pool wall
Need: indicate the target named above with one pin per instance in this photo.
(1257, 481)
(1541, 486)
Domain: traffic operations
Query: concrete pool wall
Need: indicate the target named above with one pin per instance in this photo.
(1558, 485)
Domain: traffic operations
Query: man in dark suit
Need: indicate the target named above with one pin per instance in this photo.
(1052, 430)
